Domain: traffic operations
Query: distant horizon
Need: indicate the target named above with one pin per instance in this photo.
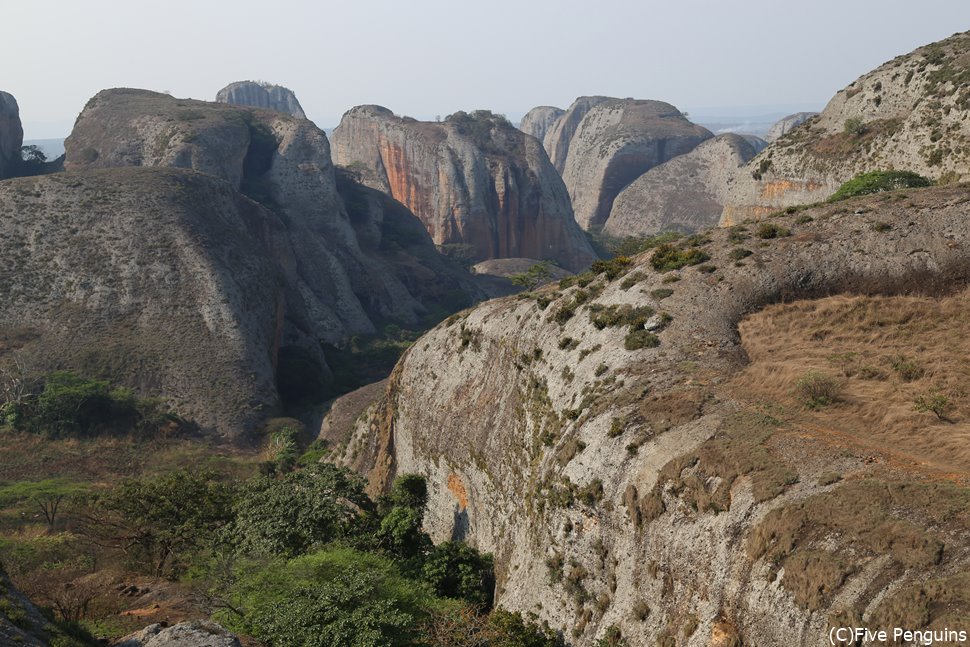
(432, 57)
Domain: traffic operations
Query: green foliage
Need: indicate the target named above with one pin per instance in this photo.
(817, 390)
(612, 268)
(619, 315)
(514, 631)
(933, 402)
(661, 293)
(854, 127)
(288, 516)
(877, 181)
(907, 368)
(666, 257)
(403, 514)
(456, 570)
(769, 230)
(536, 275)
(336, 597)
(638, 339)
(478, 125)
(738, 253)
(160, 522)
(609, 246)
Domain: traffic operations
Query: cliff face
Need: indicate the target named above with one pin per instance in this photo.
(473, 180)
(786, 124)
(11, 135)
(617, 142)
(538, 121)
(908, 114)
(620, 481)
(302, 256)
(261, 95)
(560, 134)
(685, 194)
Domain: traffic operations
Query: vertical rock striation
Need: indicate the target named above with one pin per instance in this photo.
(256, 94)
(538, 121)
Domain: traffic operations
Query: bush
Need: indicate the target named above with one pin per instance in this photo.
(816, 390)
(666, 257)
(932, 402)
(854, 127)
(767, 230)
(456, 570)
(738, 253)
(70, 405)
(511, 630)
(640, 339)
(877, 181)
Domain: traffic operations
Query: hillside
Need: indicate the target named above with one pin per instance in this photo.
(649, 453)
(908, 114)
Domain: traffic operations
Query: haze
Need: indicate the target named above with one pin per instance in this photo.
(431, 57)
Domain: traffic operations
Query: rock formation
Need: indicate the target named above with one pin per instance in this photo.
(618, 484)
(11, 135)
(756, 142)
(908, 114)
(21, 623)
(560, 134)
(538, 121)
(474, 180)
(256, 94)
(614, 144)
(196, 633)
(685, 194)
(176, 263)
(786, 124)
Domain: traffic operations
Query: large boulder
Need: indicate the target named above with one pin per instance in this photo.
(473, 179)
(617, 142)
(11, 135)
(538, 121)
(259, 94)
(685, 194)
(786, 124)
(908, 114)
(194, 633)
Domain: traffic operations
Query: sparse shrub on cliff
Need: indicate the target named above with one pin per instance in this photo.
(907, 368)
(738, 253)
(933, 402)
(611, 268)
(877, 181)
(640, 339)
(817, 390)
(666, 257)
(768, 230)
(854, 127)
(536, 275)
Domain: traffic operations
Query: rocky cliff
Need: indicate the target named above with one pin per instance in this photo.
(614, 144)
(474, 180)
(539, 120)
(242, 245)
(784, 125)
(560, 134)
(257, 94)
(685, 194)
(594, 438)
(908, 114)
(11, 135)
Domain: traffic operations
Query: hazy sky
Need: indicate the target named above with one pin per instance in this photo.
(429, 57)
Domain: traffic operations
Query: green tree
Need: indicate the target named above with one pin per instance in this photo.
(512, 630)
(534, 276)
(402, 517)
(456, 570)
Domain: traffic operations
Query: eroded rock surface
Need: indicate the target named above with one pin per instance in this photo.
(474, 180)
(539, 120)
(685, 194)
(11, 135)
(261, 95)
(560, 134)
(786, 124)
(195, 633)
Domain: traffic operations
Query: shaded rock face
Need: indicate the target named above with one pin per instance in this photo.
(527, 460)
(756, 142)
(309, 257)
(261, 95)
(685, 194)
(11, 135)
(560, 134)
(473, 180)
(538, 121)
(617, 142)
(21, 623)
(786, 124)
(908, 114)
(195, 633)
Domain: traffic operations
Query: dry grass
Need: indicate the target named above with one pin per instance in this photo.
(888, 351)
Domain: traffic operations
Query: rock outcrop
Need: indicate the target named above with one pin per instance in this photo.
(257, 94)
(614, 144)
(539, 120)
(21, 623)
(195, 633)
(786, 124)
(685, 194)
(560, 134)
(11, 135)
(474, 180)
(908, 114)
(618, 484)
(242, 246)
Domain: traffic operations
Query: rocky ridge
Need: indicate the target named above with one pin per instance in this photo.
(474, 180)
(784, 125)
(11, 135)
(616, 142)
(908, 114)
(539, 120)
(560, 134)
(685, 194)
(257, 94)
(596, 462)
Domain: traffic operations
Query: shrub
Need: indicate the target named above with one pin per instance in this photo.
(611, 268)
(738, 253)
(767, 230)
(640, 339)
(536, 275)
(932, 402)
(456, 570)
(908, 369)
(854, 127)
(816, 390)
(661, 293)
(70, 405)
(666, 257)
(509, 629)
(877, 181)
